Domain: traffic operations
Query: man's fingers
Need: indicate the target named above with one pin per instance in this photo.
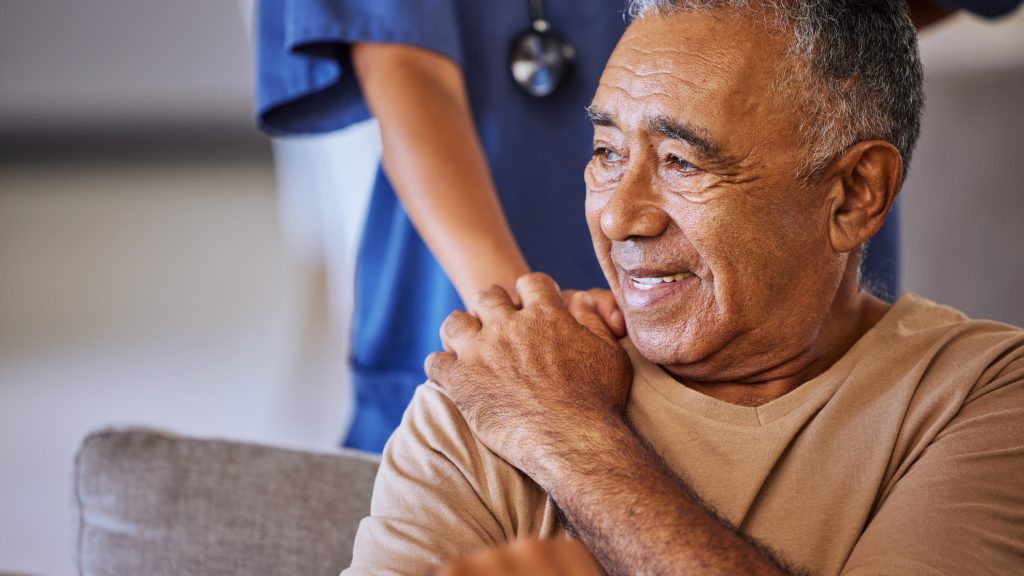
(538, 288)
(526, 557)
(438, 366)
(574, 559)
(456, 328)
(608, 308)
(493, 303)
(584, 310)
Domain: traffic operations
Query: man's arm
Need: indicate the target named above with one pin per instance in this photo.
(636, 516)
(558, 417)
(433, 158)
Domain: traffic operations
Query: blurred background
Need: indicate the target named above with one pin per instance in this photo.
(154, 269)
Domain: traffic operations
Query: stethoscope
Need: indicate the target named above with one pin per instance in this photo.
(540, 58)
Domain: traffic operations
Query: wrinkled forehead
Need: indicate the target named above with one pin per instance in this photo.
(714, 63)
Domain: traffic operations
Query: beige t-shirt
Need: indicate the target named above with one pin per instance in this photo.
(905, 457)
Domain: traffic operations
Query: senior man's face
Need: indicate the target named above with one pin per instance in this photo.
(716, 251)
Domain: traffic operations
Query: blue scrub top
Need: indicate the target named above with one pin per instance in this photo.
(536, 148)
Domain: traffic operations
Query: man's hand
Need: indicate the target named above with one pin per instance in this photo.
(533, 382)
(529, 557)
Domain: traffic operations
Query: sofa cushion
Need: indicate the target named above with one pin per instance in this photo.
(152, 503)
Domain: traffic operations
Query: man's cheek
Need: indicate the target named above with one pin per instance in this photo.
(602, 245)
(593, 207)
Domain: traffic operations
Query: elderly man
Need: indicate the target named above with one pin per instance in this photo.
(766, 414)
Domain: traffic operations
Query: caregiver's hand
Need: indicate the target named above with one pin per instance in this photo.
(607, 308)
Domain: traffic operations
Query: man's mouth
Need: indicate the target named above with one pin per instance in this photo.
(649, 282)
(646, 287)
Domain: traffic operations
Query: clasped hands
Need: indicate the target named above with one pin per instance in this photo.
(537, 382)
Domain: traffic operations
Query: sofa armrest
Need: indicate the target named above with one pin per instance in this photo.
(148, 502)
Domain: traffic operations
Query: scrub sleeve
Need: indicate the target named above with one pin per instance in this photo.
(305, 83)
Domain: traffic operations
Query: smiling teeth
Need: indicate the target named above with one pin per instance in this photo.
(648, 283)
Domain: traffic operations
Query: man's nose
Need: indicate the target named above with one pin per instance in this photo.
(634, 209)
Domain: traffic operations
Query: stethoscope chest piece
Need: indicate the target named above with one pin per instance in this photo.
(541, 59)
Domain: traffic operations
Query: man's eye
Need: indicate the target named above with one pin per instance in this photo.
(607, 154)
(681, 164)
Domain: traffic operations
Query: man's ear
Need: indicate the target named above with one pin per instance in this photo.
(866, 179)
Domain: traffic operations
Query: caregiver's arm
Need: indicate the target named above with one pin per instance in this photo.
(435, 163)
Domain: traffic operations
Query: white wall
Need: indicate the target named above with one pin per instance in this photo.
(87, 64)
(963, 204)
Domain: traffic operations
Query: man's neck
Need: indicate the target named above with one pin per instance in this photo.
(848, 320)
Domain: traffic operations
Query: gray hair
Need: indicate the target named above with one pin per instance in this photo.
(861, 73)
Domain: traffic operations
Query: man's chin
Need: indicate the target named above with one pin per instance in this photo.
(662, 346)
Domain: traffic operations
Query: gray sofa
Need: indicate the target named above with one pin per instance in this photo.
(148, 502)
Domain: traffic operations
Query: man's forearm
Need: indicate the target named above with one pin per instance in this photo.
(637, 517)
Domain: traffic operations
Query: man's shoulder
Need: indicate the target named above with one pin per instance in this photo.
(955, 387)
(434, 453)
(925, 330)
(946, 366)
(942, 355)
(433, 428)
(433, 420)
(915, 313)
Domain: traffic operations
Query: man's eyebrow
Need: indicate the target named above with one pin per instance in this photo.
(666, 127)
(687, 134)
(599, 117)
